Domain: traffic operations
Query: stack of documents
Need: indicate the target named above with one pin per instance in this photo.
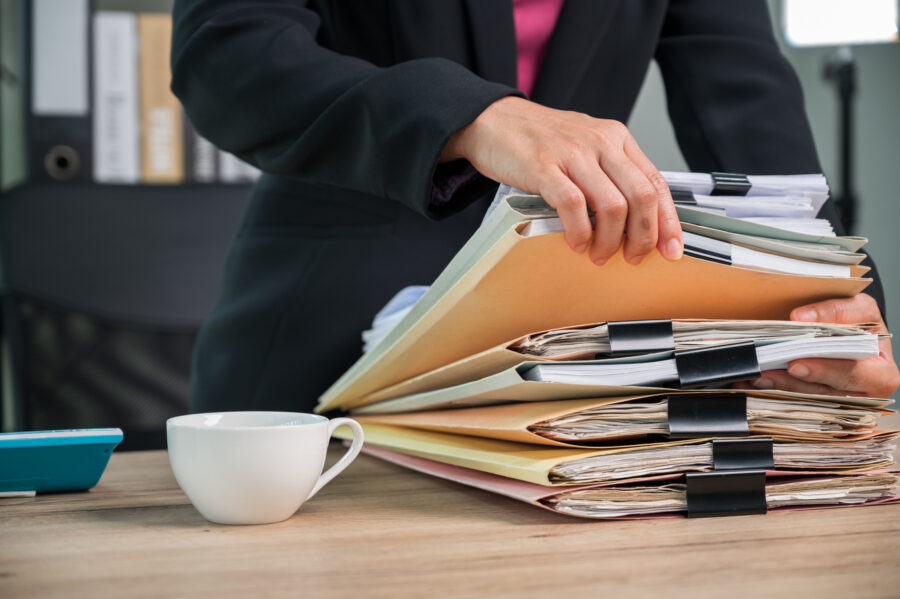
(666, 497)
(604, 392)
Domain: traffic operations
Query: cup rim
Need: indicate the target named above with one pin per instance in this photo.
(186, 420)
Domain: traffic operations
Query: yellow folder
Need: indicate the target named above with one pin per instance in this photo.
(503, 285)
(530, 463)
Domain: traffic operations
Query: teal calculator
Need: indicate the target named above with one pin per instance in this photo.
(48, 461)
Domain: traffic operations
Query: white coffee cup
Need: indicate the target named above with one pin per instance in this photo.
(254, 467)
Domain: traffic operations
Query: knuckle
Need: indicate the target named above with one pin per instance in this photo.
(601, 137)
(616, 208)
(545, 162)
(645, 194)
(659, 183)
(569, 199)
(615, 126)
(576, 148)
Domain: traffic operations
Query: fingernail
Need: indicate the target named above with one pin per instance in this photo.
(806, 314)
(580, 249)
(635, 260)
(800, 371)
(674, 249)
(763, 383)
(599, 261)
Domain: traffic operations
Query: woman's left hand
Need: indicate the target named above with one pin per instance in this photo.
(874, 377)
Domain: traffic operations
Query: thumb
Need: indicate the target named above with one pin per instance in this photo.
(852, 310)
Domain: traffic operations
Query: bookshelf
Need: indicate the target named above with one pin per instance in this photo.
(145, 259)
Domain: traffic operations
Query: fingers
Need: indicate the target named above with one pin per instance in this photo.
(670, 242)
(783, 381)
(641, 226)
(857, 309)
(561, 193)
(875, 377)
(609, 206)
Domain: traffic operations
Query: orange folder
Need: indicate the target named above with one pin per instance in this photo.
(502, 285)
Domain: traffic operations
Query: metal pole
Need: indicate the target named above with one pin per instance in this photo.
(841, 69)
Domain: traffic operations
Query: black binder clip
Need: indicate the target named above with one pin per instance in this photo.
(683, 198)
(696, 415)
(728, 493)
(730, 184)
(633, 337)
(716, 366)
(743, 454)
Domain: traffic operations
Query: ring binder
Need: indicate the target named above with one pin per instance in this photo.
(743, 454)
(62, 162)
(730, 184)
(694, 415)
(633, 337)
(729, 493)
(716, 366)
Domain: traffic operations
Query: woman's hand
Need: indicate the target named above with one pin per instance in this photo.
(576, 162)
(874, 377)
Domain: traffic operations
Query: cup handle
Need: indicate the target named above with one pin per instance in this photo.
(347, 458)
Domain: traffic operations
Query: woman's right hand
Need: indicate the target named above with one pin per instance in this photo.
(576, 162)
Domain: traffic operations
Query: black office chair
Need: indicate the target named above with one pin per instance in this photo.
(104, 288)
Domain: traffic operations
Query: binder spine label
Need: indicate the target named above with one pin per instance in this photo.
(694, 415)
(716, 366)
(116, 117)
(633, 337)
(730, 184)
(728, 493)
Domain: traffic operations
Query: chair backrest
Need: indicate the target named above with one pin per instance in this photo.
(104, 289)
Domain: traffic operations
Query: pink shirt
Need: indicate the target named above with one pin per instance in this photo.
(535, 21)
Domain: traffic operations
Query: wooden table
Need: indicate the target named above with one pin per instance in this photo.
(381, 531)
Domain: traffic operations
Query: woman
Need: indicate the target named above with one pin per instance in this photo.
(381, 127)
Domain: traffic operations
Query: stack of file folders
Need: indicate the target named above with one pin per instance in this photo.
(604, 392)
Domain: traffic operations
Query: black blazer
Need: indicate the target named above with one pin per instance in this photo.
(346, 107)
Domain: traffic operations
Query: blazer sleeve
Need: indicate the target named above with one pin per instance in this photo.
(255, 82)
(735, 102)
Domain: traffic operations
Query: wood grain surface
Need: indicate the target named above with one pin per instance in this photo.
(381, 531)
